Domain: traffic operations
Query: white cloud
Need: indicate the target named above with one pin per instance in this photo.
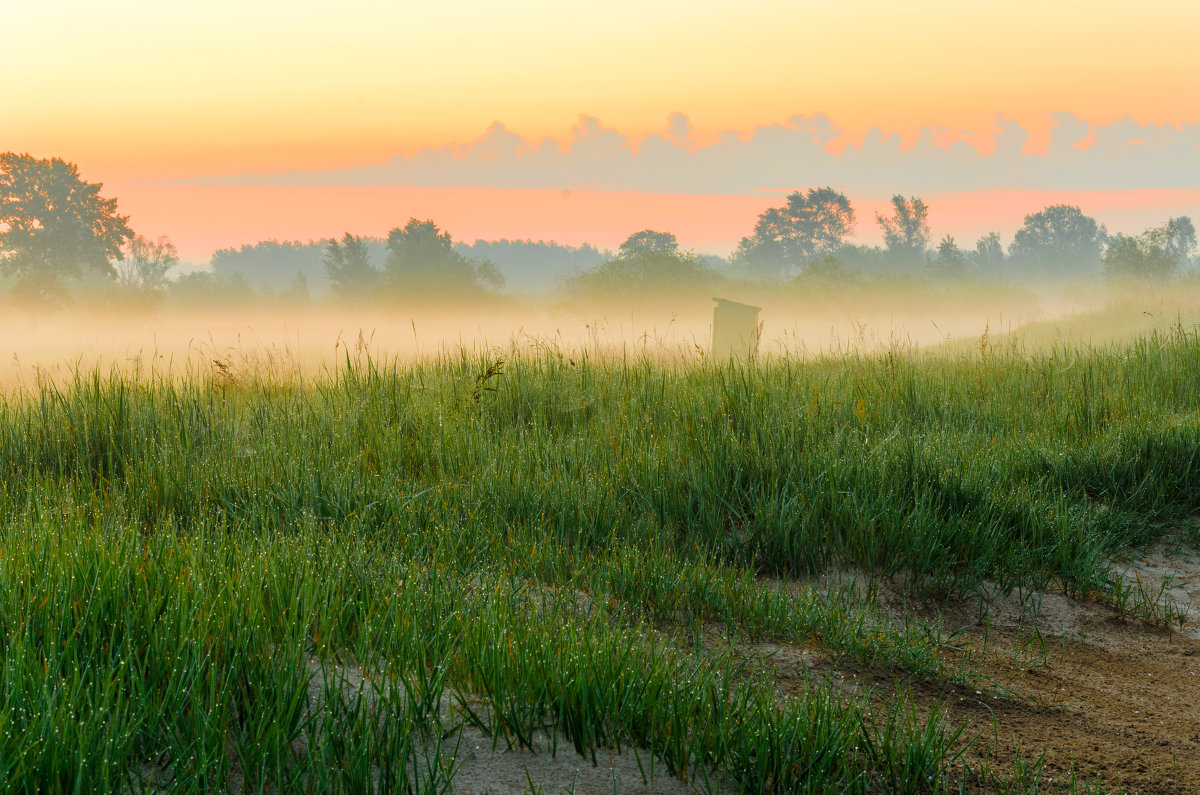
(787, 156)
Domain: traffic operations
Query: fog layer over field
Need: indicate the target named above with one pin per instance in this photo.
(309, 339)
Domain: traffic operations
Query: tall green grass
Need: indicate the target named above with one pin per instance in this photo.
(534, 540)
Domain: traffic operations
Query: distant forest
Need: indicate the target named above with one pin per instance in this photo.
(526, 265)
(54, 252)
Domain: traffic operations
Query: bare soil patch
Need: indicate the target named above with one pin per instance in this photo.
(1110, 699)
(1070, 685)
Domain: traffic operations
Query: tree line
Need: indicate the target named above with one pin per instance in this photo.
(56, 228)
(808, 234)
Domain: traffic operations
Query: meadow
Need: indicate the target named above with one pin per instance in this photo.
(272, 581)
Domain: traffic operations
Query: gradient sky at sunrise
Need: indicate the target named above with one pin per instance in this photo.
(153, 98)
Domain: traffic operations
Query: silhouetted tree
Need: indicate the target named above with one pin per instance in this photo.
(1059, 240)
(422, 260)
(989, 253)
(809, 226)
(145, 266)
(950, 262)
(906, 230)
(648, 263)
(1135, 258)
(649, 241)
(1153, 256)
(348, 263)
(1177, 237)
(53, 224)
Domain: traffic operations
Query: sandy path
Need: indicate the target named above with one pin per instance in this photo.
(1115, 700)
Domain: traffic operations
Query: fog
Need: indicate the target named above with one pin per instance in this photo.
(316, 339)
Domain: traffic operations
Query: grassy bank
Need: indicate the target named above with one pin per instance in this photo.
(532, 542)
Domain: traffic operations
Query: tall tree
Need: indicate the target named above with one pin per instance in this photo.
(950, 262)
(649, 241)
(1156, 255)
(648, 264)
(348, 263)
(989, 253)
(53, 224)
(906, 230)
(422, 260)
(1177, 237)
(146, 264)
(1058, 241)
(809, 226)
(1136, 258)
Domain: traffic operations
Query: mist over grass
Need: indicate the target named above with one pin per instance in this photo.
(801, 318)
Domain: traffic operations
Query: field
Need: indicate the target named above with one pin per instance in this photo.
(541, 566)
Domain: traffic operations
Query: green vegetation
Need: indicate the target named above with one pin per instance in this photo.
(531, 542)
(53, 226)
(648, 265)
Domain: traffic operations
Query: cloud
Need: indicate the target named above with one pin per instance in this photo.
(786, 156)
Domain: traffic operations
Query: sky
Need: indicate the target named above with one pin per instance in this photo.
(221, 123)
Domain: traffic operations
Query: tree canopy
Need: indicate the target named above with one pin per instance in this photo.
(906, 230)
(811, 225)
(421, 260)
(1153, 256)
(53, 225)
(950, 262)
(649, 262)
(989, 253)
(649, 242)
(1177, 237)
(348, 263)
(144, 269)
(1058, 241)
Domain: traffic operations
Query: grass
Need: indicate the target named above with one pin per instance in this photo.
(532, 539)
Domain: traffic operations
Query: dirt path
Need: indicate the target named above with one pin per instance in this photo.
(1116, 701)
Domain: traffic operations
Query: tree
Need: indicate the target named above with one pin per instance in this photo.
(348, 263)
(53, 224)
(422, 260)
(1177, 238)
(906, 231)
(649, 241)
(989, 253)
(1153, 256)
(808, 227)
(950, 262)
(1059, 240)
(648, 263)
(146, 264)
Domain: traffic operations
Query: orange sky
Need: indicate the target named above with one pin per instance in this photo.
(201, 218)
(140, 90)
